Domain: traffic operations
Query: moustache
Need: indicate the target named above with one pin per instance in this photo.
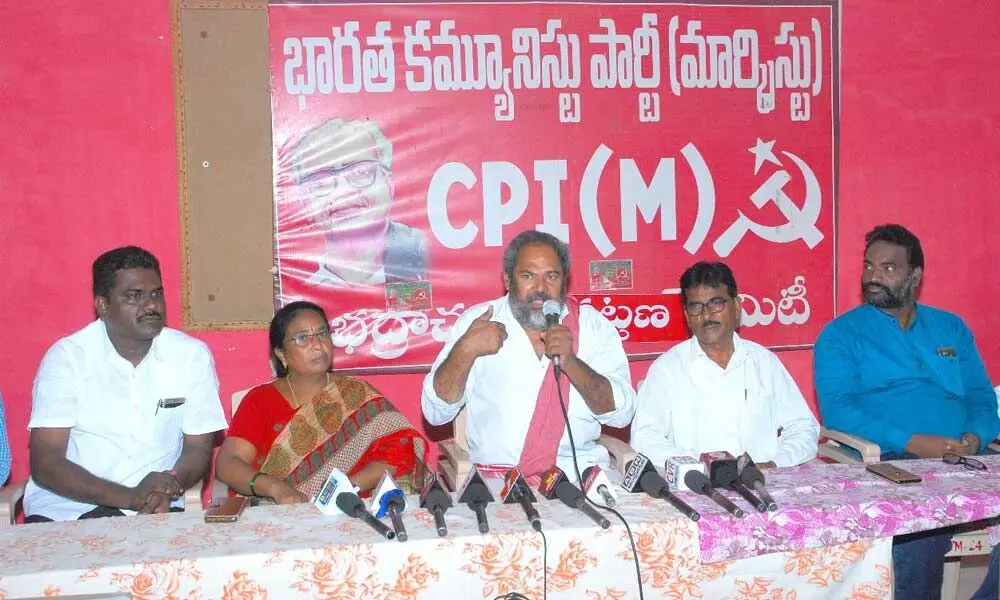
(537, 296)
(878, 287)
(707, 324)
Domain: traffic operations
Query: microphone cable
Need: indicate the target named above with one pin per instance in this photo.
(579, 478)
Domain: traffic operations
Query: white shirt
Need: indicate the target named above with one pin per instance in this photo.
(117, 430)
(502, 389)
(689, 405)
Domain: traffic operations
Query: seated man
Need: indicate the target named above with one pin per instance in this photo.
(717, 391)
(5, 456)
(498, 364)
(908, 377)
(124, 411)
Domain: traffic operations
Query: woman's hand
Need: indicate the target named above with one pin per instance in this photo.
(289, 495)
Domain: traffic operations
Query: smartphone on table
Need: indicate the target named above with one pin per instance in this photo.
(892, 473)
(226, 510)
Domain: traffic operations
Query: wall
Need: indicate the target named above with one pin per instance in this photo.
(88, 163)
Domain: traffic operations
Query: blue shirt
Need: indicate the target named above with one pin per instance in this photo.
(5, 456)
(883, 383)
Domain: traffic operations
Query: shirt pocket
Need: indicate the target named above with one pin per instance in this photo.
(948, 372)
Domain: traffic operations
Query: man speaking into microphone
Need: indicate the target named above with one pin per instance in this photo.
(499, 363)
(719, 392)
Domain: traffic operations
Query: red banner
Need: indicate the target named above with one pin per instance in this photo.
(414, 141)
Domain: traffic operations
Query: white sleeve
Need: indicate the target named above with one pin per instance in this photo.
(436, 410)
(652, 432)
(202, 409)
(55, 392)
(606, 357)
(799, 428)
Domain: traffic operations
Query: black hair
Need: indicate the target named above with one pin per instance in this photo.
(107, 265)
(898, 236)
(528, 238)
(711, 274)
(279, 327)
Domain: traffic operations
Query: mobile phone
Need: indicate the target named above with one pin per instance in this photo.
(892, 473)
(226, 510)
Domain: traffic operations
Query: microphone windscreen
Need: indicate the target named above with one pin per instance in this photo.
(350, 503)
(552, 308)
(697, 482)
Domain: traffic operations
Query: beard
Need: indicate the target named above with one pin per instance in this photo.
(886, 298)
(528, 316)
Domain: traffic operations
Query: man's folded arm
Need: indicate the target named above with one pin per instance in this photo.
(607, 359)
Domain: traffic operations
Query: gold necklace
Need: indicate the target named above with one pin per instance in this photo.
(288, 382)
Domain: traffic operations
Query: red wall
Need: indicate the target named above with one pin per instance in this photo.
(87, 162)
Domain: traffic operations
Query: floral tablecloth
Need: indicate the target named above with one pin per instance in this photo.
(296, 552)
(825, 505)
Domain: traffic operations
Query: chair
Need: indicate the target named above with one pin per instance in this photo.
(454, 463)
(971, 543)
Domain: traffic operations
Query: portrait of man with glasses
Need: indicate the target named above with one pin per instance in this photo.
(717, 391)
(343, 184)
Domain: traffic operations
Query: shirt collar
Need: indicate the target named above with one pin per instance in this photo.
(697, 352)
(109, 349)
(878, 311)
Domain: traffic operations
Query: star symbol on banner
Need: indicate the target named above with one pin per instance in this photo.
(763, 151)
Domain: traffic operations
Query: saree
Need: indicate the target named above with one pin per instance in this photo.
(342, 427)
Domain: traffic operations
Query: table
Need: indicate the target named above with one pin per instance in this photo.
(296, 552)
(830, 538)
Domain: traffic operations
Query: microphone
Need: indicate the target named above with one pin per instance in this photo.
(720, 467)
(597, 487)
(676, 467)
(700, 484)
(640, 475)
(390, 501)
(475, 494)
(552, 310)
(750, 476)
(351, 504)
(336, 483)
(436, 501)
(516, 490)
(555, 486)
(723, 473)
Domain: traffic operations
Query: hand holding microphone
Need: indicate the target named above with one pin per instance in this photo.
(558, 339)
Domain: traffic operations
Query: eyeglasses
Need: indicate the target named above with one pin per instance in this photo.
(969, 463)
(714, 306)
(303, 339)
(359, 175)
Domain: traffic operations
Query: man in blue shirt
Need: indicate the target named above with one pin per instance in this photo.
(5, 457)
(909, 378)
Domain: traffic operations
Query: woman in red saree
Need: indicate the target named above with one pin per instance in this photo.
(288, 435)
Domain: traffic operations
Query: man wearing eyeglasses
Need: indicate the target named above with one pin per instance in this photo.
(717, 391)
(343, 183)
(908, 377)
